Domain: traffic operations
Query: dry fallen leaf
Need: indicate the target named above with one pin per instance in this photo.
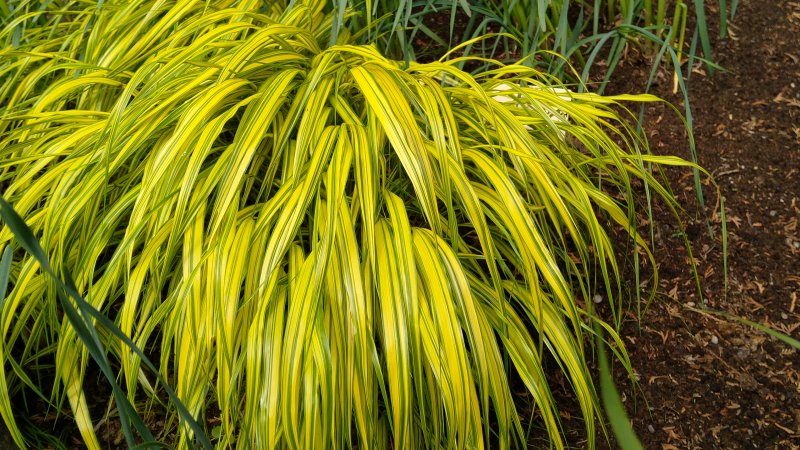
(671, 434)
(673, 293)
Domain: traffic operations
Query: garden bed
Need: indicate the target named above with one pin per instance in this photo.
(705, 381)
(709, 381)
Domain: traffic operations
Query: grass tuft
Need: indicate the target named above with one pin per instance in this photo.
(328, 247)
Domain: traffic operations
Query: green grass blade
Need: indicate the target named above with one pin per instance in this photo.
(702, 27)
(615, 410)
(5, 12)
(723, 19)
(724, 223)
(5, 272)
(786, 339)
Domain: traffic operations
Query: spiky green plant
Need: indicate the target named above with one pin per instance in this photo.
(574, 29)
(327, 247)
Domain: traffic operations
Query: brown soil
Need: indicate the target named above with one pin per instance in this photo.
(708, 381)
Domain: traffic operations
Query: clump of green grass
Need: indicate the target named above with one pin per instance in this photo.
(583, 31)
(328, 247)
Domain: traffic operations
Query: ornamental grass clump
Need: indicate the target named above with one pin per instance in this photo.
(321, 247)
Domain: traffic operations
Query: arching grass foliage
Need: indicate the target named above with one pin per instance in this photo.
(320, 247)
